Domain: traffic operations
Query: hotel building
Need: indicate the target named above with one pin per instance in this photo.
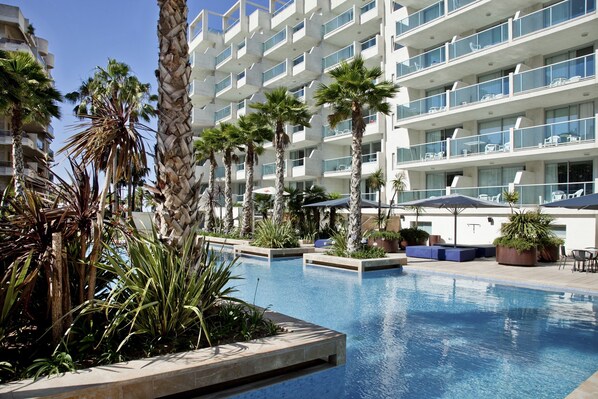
(16, 35)
(495, 95)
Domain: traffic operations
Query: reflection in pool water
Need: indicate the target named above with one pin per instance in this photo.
(419, 336)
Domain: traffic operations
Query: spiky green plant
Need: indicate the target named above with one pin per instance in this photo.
(269, 234)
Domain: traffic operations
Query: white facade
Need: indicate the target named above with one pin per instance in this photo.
(15, 36)
(494, 95)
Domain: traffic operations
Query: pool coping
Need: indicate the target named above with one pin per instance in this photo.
(358, 265)
(271, 253)
(300, 343)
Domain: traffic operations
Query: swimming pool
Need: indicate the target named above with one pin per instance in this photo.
(412, 335)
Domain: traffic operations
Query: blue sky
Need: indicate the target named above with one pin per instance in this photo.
(83, 34)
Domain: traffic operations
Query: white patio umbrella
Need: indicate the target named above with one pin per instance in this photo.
(267, 191)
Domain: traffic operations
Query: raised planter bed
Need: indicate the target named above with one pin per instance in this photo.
(360, 265)
(272, 252)
(197, 371)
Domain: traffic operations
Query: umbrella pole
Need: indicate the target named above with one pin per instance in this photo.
(455, 228)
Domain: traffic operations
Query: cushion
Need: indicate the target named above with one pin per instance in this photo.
(424, 251)
(460, 254)
(323, 243)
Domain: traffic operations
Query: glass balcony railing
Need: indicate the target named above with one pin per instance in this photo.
(405, 196)
(224, 55)
(426, 105)
(485, 91)
(223, 84)
(282, 7)
(346, 127)
(457, 4)
(344, 164)
(480, 144)
(274, 40)
(274, 71)
(299, 27)
(422, 152)
(337, 22)
(488, 193)
(368, 43)
(368, 7)
(239, 198)
(536, 194)
(554, 75)
(239, 166)
(299, 93)
(232, 24)
(555, 134)
(270, 168)
(422, 61)
(297, 128)
(222, 113)
(488, 38)
(219, 172)
(551, 16)
(241, 104)
(299, 60)
(421, 17)
(298, 162)
(336, 58)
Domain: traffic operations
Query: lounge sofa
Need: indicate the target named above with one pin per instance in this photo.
(460, 254)
(424, 251)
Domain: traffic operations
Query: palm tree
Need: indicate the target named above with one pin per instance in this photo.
(206, 147)
(232, 140)
(354, 89)
(280, 108)
(28, 95)
(255, 134)
(398, 186)
(312, 195)
(111, 138)
(177, 210)
(376, 181)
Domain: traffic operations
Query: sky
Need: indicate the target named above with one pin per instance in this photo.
(83, 34)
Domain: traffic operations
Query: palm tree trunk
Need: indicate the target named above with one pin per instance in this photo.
(18, 164)
(279, 185)
(247, 223)
(228, 192)
(380, 208)
(354, 233)
(176, 215)
(211, 222)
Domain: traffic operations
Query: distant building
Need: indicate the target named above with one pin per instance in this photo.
(15, 36)
(494, 95)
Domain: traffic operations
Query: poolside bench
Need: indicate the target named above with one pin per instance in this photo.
(460, 254)
(482, 250)
(323, 243)
(424, 251)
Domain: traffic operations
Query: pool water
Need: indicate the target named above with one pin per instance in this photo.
(412, 335)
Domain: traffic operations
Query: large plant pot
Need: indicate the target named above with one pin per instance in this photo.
(510, 256)
(549, 253)
(389, 246)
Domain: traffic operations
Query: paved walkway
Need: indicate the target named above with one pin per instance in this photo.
(543, 276)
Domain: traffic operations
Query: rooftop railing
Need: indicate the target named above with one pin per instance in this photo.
(339, 21)
(551, 16)
(420, 18)
(336, 58)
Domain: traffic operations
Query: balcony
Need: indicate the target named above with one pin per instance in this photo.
(372, 50)
(308, 167)
(307, 66)
(228, 88)
(269, 170)
(342, 134)
(201, 35)
(419, 18)
(542, 87)
(249, 51)
(472, 54)
(536, 194)
(336, 25)
(422, 153)
(334, 59)
(581, 131)
(223, 114)
(220, 172)
(422, 62)
(551, 16)
(249, 81)
(202, 63)
(306, 34)
(203, 116)
(488, 193)
(273, 73)
(341, 167)
(285, 12)
(277, 42)
(357, 23)
(202, 91)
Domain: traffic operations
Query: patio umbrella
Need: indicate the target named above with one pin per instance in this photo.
(589, 202)
(268, 191)
(344, 203)
(455, 203)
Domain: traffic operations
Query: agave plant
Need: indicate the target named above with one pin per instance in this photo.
(269, 234)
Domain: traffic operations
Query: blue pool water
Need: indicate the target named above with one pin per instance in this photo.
(415, 335)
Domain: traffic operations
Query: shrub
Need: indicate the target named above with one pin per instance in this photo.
(413, 234)
(385, 235)
(271, 235)
(526, 230)
(339, 248)
(369, 253)
(239, 321)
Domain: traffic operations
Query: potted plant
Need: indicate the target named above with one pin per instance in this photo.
(387, 240)
(521, 236)
(548, 250)
(413, 236)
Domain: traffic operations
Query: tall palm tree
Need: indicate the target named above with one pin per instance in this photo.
(280, 108)
(398, 186)
(177, 210)
(111, 136)
(353, 90)
(376, 181)
(232, 141)
(206, 147)
(255, 133)
(28, 95)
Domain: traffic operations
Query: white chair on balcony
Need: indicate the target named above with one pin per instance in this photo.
(496, 198)
(439, 155)
(341, 168)
(551, 141)
(428, 156)
(491, 148)
(474, 46)
(576, 194)
(506, 147)
(484, 197)
(558, 195)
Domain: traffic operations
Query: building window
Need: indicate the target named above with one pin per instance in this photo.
(569, 178)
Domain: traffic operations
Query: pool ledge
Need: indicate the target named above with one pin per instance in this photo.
(359, 265)
(223, 366)
(271, 252)
(225, 241)
(588, 389)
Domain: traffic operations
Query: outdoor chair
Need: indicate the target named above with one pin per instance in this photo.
(491, 148)
(576, 194)
(496, 198)
(552, 140)
(580, 258)
(474, 46)
(564, 258)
